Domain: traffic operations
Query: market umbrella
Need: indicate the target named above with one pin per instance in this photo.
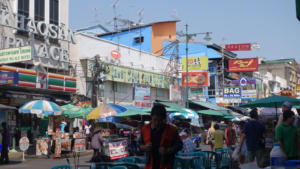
(105, 112)
(187, 114)
(41, 108)
(132, 112)
(273, 101)
(72, 111)
(228, 117)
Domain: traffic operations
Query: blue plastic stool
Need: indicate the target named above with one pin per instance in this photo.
(62, 167)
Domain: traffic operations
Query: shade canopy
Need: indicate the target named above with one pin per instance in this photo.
(208, 105)
(2, 106)
(214, 112)
(273, 101)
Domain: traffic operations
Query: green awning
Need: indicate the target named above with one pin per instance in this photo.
(228, 117)
(132, 112)
(169, 109)
(214, 112)
(296, 107)
(209, 105)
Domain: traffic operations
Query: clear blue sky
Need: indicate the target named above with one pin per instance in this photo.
(270, 23)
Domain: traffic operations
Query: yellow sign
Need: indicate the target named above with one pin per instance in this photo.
(128, 75)
(195, 63)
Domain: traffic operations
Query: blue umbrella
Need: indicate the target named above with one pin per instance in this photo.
(41, 108)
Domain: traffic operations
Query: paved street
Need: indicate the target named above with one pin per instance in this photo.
(43, 163)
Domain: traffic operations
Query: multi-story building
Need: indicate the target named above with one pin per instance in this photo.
(35, 39)
(284, 68)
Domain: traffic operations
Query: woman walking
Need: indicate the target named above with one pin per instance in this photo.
(210, 132)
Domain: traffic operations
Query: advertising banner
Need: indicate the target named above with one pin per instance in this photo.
(41, 80)
(195, 63)
(42, 147)
(238, 47)
(196, 78)
(235, 92)
(13, 55)
(118, 149)
(79, 145)
(175, 93)
(244, 81)
(142, 96)
(9, 78)
(227, 101)
(128, 75)
(249, 94)
(243, 65)
(65, 144)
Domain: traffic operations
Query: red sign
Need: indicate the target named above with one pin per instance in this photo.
(238, 47)
(243, 65)
(196, 78)
(142, 104)
(115, 54)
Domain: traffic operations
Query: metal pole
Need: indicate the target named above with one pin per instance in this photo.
(187, 69)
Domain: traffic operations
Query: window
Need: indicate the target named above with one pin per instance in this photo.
(23, 9)
(54, 11)
(39, 10)
(139, 39)
(120, 87)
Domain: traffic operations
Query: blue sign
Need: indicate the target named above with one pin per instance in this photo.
(9, 78)
(244, 81)
(235, 92)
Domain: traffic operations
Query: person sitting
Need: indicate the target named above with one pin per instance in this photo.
(188, 145)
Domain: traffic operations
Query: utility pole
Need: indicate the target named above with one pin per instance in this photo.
(99, 67)
(187, 67)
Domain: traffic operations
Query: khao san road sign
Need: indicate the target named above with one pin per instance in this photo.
(13, 55)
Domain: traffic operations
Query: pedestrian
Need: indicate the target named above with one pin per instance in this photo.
(287, 106)
(286, 136)
(219, 137)
(242, 155)
(253, 133)
(159, 140)
(88, 134)
(96, 144)
(230, 136)
(188, 144)
(5, 143)
(209, 140)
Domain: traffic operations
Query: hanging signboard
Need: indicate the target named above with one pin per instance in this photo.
(9, 78)
(142, 96)
(195, 63)
(238, 47)
(14, 55)
(243, 65)
(249, 94)
(232, 92)
(196, 78)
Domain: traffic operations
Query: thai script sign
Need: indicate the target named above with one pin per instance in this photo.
(14, 55)
(243, 65)
(232, 92)
(195, 63)
(142, 96)
(196, 79)
(249, 94)
(9, 78)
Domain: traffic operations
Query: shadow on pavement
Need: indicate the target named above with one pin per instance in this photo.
(11, 163)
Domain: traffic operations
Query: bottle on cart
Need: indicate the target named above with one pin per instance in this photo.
(276, 157)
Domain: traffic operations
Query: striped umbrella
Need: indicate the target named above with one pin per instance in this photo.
(41, 108)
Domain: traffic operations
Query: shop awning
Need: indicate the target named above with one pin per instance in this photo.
(228, 117)
(214, 112)
(208, 105)
(132, 112)
(2, 106)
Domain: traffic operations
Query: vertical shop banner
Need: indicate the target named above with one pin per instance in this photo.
(195, 63)
(9, 78)
(41, 80)
(57, 152)
(175, 93)
(235, 92)
(142, 96)
(243, 65)
(196, 79)
(118, 149)
(238, 47)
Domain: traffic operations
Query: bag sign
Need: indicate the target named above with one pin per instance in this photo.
(24, 143)
(232, 92)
